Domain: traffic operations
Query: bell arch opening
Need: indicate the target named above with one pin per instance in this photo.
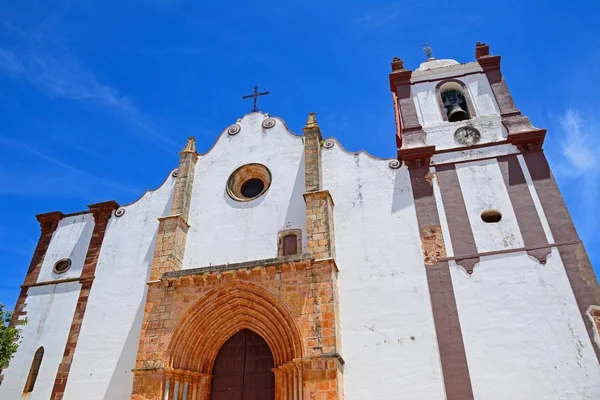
(243, 369)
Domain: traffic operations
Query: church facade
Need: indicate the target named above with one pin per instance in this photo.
(279, 266)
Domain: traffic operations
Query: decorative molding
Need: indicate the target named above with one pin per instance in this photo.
(329, 143)
(416, 157)
(397, 64)
(234, 130)
(394, 164)
(175, 173)
(528, 141)
(268, 123)
(120, 212)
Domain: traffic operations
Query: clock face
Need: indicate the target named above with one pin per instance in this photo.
(467, 135)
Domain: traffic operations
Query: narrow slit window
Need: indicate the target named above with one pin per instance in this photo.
(290, 245)
(35, 369)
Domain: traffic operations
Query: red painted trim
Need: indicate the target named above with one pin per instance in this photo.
(463, 240)
(528, 219)
(455, 369)
(102, 213)
(575, 259)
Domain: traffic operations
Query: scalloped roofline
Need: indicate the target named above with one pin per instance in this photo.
(237, 121)
(266, 115)
(334, 140)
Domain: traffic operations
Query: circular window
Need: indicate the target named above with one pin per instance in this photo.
(491, 216)
(248, 182)
(62, 266)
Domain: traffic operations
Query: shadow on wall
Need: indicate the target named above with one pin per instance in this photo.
(120, 385)
(121, 382)
(403, 197)
(295, 216)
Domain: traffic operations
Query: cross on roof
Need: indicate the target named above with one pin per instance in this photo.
(255, 95)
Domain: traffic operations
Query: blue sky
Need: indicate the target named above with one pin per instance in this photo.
(97, 98)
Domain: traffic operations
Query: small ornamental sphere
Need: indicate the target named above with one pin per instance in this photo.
(175, 173)
(328, 144)
(268, 123)
(394, 164)
(233, 129)
(120, 211)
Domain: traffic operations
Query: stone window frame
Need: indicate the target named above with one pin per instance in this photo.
(245, 173)
(465, 92)
(286, 232)
(60, 263)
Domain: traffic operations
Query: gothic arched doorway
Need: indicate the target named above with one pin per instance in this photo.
(242, 369)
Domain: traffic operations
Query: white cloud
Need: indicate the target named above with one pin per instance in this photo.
(579, 147)
(577, 167)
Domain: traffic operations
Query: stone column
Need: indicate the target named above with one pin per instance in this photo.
(194, 383)
(319, 204)
(167, 389)
(172, 229)
(204, 387)
(322, 377)
(168, 256)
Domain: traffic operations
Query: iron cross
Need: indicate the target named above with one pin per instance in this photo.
(255, 95)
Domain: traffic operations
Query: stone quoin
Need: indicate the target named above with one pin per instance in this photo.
(301, 271)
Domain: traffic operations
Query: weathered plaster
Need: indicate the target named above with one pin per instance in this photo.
(524, 337)
(115, 307)
(49, 312)
(223, 230)
(388, 337)
(70, 240)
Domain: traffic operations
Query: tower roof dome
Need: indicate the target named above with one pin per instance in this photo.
(434, 63)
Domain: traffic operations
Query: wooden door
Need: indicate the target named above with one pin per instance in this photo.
(242, 370)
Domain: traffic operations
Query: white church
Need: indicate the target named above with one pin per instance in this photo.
(280, 266)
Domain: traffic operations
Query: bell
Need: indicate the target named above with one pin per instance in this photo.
(456, 113)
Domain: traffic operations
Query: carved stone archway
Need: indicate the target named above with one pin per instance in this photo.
(290, 302)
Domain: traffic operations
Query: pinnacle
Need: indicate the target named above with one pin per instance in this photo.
(312, 121)
(190, 146)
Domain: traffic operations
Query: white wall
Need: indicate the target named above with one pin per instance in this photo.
(108, 342)
(71, 240)
(225, 231)
(49, 312)
(523, 333)
(388, 335)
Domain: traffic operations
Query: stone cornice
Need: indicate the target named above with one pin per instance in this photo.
(267, 262)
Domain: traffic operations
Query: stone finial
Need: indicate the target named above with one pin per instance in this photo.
(312, 121)
(481, 50)
(190, 146)
(397, 64)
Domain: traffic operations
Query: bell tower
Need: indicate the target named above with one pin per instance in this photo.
(491, 222)
(444, 105)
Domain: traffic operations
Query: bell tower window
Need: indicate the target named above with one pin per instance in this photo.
(454, 100)
(455, 105)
